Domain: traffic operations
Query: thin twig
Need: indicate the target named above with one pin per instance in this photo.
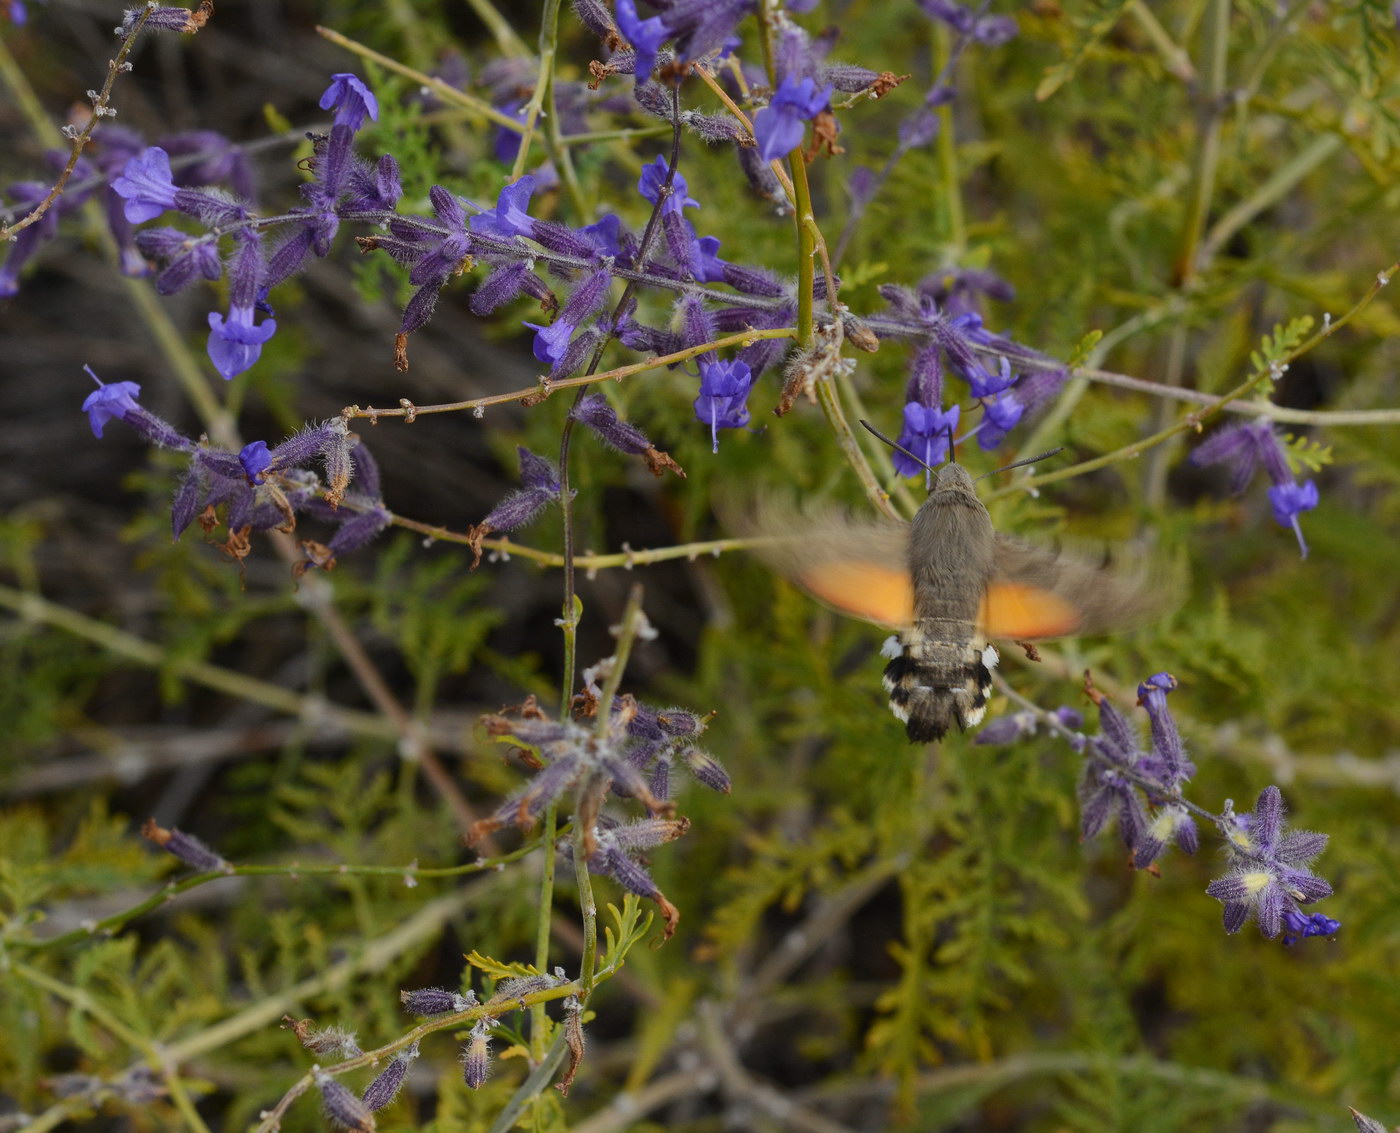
(546, 386)
(79, 140)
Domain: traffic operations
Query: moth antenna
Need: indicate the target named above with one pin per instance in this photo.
(1022, 463)
(900, 448)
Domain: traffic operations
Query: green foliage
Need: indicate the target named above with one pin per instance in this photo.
(1275, 349)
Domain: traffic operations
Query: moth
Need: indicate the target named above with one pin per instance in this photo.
(948, 584)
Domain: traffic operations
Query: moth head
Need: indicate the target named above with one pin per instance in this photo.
(954, 478)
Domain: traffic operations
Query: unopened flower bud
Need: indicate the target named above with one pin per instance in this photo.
(476, 1055)
(342, 1106)
(385, 1088)
(186, 847)
(427, 1001)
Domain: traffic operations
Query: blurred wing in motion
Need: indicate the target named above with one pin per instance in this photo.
(1038, 592)
(857, 567)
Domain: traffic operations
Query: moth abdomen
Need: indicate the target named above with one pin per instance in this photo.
(935, 685)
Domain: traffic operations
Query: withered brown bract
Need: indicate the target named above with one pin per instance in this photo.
(948, 583)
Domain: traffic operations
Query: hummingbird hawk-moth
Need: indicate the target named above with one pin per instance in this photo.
(948, 584)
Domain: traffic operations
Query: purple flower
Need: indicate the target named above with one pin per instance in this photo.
(926, 433)
(236, 342)
(705, 264)
(539, 487)
(1104, 790)
(256, 460)
(187, 257)
(645, 36)
(434, 258)
(1000, 414)
(1299, 926)
(654, 179)
(146, 185)
(605, 235)
(724, 391)
(109, 401)
(163, 17)
(595, 412)
(1291, 500)
(552, 341)
(702, 26)
(778, 127)
(1244, 448)
(510, 217)
(1269, 877)
(1167, 762)
(352, 100)
(1008, 729)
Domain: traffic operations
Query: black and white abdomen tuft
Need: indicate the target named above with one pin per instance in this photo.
(935, 685)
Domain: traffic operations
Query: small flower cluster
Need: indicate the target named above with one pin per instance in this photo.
(261, 488)
(1142, 788)
(185, 175)
(634, 756)
(342, 186)
(1243, 448)
(1268, 876)
(509, 995)
(943, 308)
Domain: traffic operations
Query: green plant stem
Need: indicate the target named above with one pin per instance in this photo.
(1210, 121)
(13, 77)
(830, 402)
(949, 182)
(457, 1019)
(560, 156)
(1177, 61)
(570, 620)
(109, 926)
(378, 954)
(632, 621)
(549, 826)
(626, 134)
(1210, 124)
(533, 1085)
(506, 38)
(549, 21)
(806, 249)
